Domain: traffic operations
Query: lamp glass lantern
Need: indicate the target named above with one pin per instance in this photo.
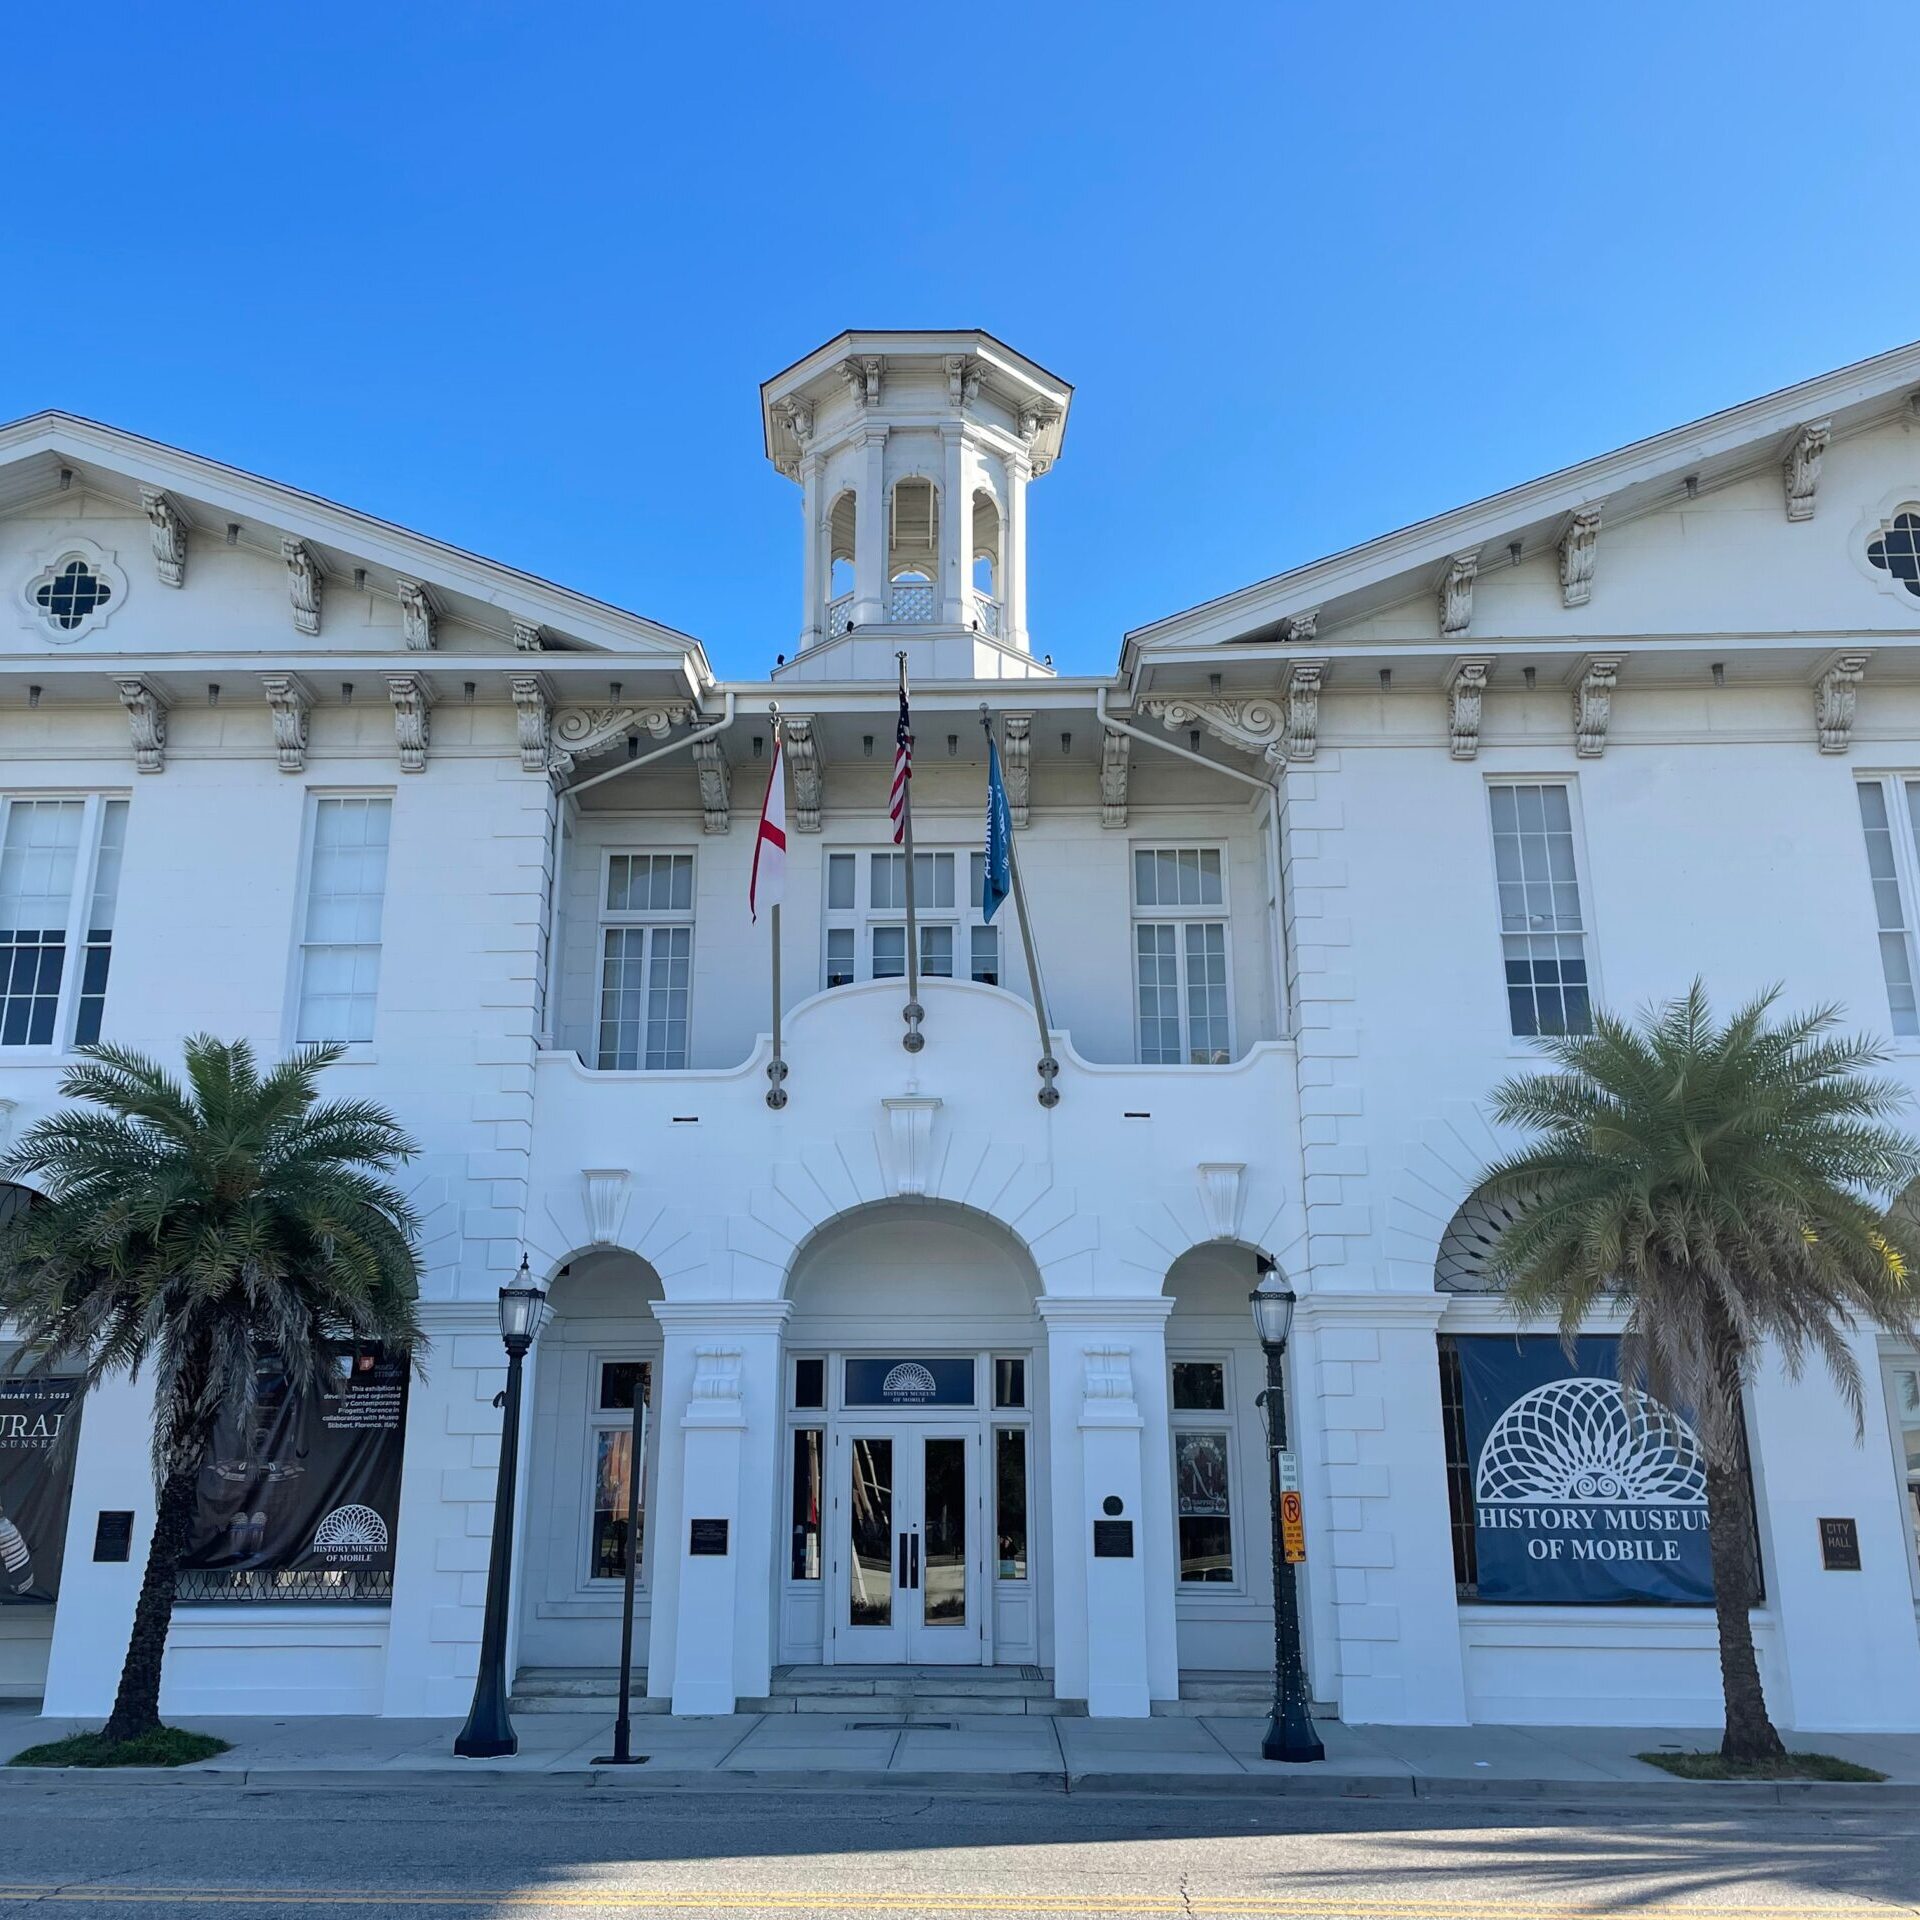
(522, 1308)
(1272, 1314)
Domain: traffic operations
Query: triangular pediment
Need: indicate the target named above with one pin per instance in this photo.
(188, 556)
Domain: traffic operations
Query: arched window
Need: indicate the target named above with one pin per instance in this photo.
(1465, 1260)
(843, 526)
(987, 592)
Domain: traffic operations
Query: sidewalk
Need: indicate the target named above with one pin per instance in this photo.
(985, 1752)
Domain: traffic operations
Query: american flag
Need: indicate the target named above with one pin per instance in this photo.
(902, 768)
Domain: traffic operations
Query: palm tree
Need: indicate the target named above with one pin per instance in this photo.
(201, 1229)
(1717, 1185)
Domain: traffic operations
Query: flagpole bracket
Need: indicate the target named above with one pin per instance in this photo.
(913, 1039)
(776, 1083)
(1049, 1073)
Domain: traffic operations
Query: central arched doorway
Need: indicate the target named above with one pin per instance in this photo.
(913, 1445)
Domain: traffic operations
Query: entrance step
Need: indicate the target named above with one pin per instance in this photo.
(912, 1690)
(1205, 1692)
(579, 1690)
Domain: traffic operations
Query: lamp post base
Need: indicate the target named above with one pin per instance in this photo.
(486, 1746)
(1284, 1742)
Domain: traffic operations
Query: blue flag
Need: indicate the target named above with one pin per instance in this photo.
(997, 881)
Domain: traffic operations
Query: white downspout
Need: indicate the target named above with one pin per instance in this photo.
(561, 797)
(1271, 788)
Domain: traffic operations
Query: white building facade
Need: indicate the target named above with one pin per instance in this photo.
(1308, 873)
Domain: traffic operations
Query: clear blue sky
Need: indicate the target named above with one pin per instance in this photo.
(511, 274)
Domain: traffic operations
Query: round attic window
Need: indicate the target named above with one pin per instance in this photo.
(1895, 551)
(76, 588)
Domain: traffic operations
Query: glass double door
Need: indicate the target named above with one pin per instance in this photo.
(907, 1563)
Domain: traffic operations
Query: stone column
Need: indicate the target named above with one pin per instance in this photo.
(813, 562)
(1844, 1642)
(719, 1410)
(956, 529)
(871, 530)
(1112, 1612)
(1013, 555)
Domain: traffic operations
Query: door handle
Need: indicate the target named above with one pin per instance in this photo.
(906, 1578)
(916, 1561)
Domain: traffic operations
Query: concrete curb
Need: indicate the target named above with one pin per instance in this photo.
(1546, 1795)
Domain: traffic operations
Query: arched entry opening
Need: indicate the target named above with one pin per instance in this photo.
(599, 1351)
(913, 1450)
(1223, 1558)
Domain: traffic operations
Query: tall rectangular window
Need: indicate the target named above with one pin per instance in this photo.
(1542, 934)
(1890, 818)
(59, 875)
(646, 961)
(346, 896)
(1903, 1403)
(620, 1383)
(1202, 1471)
(866, 929)
(1180, 956)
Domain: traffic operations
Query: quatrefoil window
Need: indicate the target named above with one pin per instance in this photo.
(1897, 551)
(73, 596)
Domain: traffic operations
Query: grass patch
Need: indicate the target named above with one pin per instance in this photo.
(164, 1747)
(1796, 1766)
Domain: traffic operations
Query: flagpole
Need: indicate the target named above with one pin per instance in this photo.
(913, 1013)
(1049, 1067)
(777, 1066)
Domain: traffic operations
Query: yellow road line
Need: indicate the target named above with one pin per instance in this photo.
(795, 1900)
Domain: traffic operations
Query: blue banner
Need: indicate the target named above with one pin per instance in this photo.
(997, 877)
(1582, 1496)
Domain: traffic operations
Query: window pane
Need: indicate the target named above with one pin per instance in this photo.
(936, 952)
(1010, 1502)
(889, 953)
(346, 892)
(1207, 993)
(809, 1383)
(1206, 1526)
(1540, 913)
(1157, 980)
(886, 880)
(807, 1490)
(1143, 889)
(943, 1581)
(619, 1380)
(613, 1455)
(1009, 1381)
(1199, 1386)
(984, 964)
(839, 956)
(870, 1566)
(976, 880)
(840, 882)
(669, 985)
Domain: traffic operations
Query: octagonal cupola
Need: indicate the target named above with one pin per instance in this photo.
(913, 452)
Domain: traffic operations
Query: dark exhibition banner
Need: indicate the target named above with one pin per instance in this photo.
(1581, 1496)
(36, 1485)
(308, 1484)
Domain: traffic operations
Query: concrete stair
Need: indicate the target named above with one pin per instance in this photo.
(892, 1692)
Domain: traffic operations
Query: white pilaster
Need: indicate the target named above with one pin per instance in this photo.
(956, 528)
(813, 565)
(871, 530)
(1113, 1623)
(1013, 556)
(711, 1643)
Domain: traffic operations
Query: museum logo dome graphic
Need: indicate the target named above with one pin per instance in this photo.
(1582, 1440)
(908, 1381)
(351, 1529)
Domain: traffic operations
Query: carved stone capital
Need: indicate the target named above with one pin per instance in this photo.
(289, 703)
(412, 718)
(803, 763)
(1016, 764)
(963, 379)
(1254, 726)
(169, 536)
(1456, 595)
(1466, 684)
(1834, 696)
(1801, 469)
(1108, 1399)
(147, 720)
(533, 713)
(416, 615)
(526, 636)
(304, 585)
(579, 733)
(862, 376)
(1593, 707)
(1116, 760)
(1579, 548)
(716, 786)
(1304, 680)
(1304, 625)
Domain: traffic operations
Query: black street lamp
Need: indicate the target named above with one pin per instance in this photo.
(1290, 1734)
(489, 1732)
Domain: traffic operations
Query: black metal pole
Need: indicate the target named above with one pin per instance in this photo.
(1290, 1733)
(623, 1754)
(489, 1732)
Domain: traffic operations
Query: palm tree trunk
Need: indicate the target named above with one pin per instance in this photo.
(136, 1709)
(1749, 1732)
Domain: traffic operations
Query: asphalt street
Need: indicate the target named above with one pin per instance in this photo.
(528, 1849)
